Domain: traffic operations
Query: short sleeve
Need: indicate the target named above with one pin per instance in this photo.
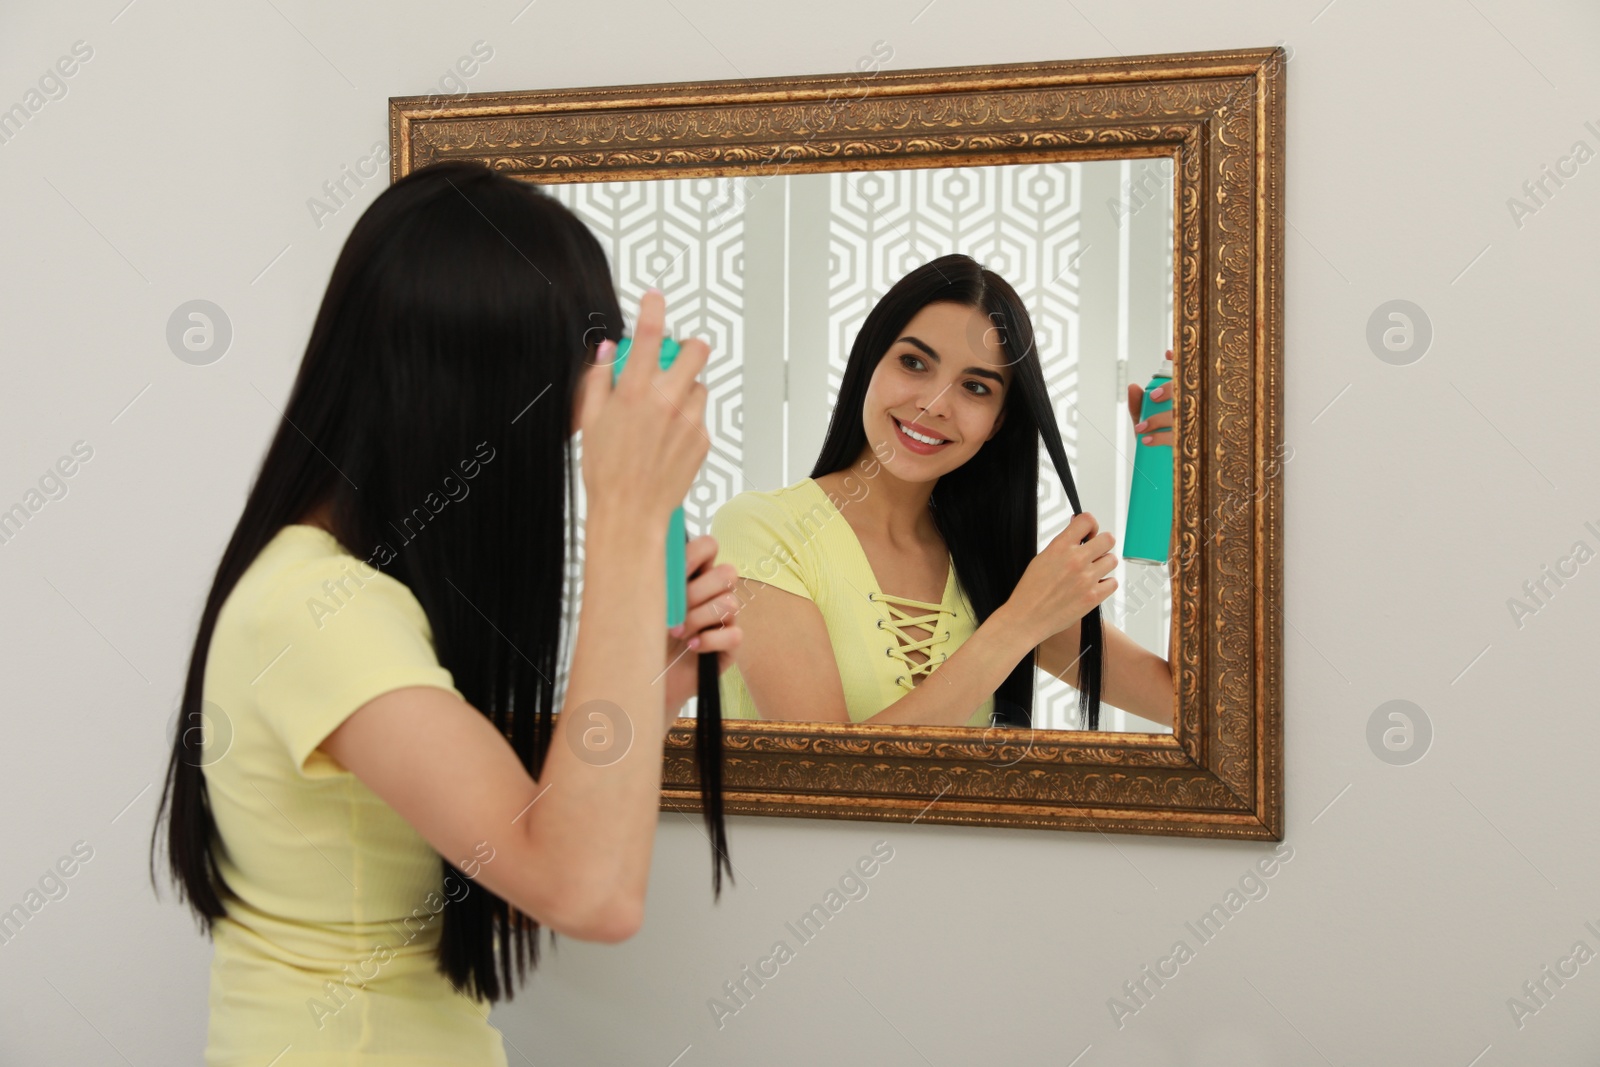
(751, 534)
(343, 633)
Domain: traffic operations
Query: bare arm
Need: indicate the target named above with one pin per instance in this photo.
(786, 658)
(1132, 677)
(572, 850)
(787, 662)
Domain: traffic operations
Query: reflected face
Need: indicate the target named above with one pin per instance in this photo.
(946, 377)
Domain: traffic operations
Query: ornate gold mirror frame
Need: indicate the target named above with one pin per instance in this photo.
(1219, 116)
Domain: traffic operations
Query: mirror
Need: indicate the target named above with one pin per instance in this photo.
(778, 273)
(1134, 205)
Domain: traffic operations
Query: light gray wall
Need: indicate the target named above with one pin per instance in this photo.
(1419, 500)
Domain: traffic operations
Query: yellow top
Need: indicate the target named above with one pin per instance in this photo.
(797, 540)
(326, 954)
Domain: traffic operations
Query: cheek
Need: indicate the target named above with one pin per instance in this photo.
(881, 396)
(983, 427)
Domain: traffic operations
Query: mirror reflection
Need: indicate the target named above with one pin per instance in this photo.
(931, 364)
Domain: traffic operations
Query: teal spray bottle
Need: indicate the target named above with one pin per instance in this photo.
(677, 534)
(1149, 534)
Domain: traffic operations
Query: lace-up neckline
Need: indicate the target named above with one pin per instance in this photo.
(794, 537)
(904, 645)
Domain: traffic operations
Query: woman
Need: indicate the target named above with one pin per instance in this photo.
(927, 487)
(368, 813)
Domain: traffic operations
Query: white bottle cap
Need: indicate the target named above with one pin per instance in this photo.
(1165, 370)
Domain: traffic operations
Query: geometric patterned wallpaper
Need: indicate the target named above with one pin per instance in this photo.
(838, 241)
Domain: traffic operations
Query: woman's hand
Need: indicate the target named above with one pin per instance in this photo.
(643, 438)
(1158, 427)
(1066, 580)
(708, 625)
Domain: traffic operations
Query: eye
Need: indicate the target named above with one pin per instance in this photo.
(984, 389)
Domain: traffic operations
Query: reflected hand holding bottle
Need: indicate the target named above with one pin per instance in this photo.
(1158, 427)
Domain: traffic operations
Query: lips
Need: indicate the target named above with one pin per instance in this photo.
(913, 443)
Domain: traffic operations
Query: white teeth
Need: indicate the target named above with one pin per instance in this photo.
(917, 436)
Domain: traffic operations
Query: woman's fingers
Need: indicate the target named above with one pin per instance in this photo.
(721, 642)
(712, 583)
(644, 353)
(1167, 389)
(704, 607)
(699, 552)
(711, 637)
(719, 639)
(1157, 429)
(711, 603)
(680, 378)
(710, 615)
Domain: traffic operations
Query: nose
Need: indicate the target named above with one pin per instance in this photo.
(938, 406)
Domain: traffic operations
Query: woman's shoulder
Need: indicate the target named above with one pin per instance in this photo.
(767, 535)
(799, 494)
(767, 507)
(303, 576)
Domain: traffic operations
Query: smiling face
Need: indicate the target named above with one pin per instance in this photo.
(945, 376)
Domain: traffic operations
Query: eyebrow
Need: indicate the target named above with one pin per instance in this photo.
(980, 371)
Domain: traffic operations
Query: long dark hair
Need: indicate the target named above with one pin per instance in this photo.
(987, 510)
(461, 297)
